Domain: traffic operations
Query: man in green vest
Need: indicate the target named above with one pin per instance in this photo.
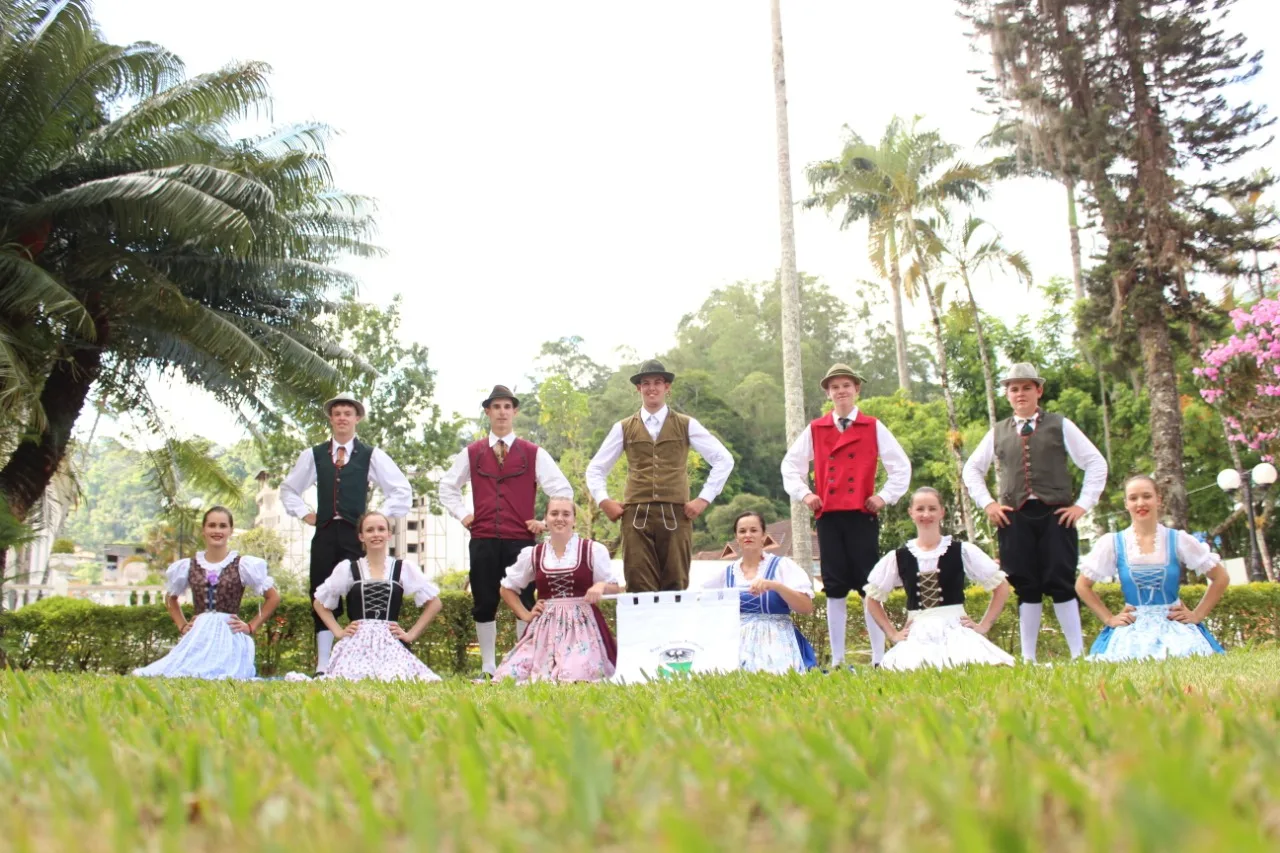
(657, 515)
(341, 469)
(1037, 510)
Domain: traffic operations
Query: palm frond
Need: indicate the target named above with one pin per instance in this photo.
(29, 290)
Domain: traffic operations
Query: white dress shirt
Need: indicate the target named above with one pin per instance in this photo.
(706, 445)
(897, 467)
(1079, 448)
(546, 471)
(979, 567)
(521, 573)
(397, 494)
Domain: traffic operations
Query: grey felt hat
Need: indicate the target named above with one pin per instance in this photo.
(652, 367)
(345, 397)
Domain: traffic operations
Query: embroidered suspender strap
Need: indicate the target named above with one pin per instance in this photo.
(538, 551)
(771, 572)
(728, 576)
(584, 556)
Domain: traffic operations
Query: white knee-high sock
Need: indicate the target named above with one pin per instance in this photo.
(1029, 628)
(324, 647)
(837, 619)
(521, 627)
(1068, 613)
(875, 633)
(487, 634)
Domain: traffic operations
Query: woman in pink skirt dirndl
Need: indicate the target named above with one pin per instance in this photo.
(568, 638)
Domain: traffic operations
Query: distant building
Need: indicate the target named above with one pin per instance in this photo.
(436, 541)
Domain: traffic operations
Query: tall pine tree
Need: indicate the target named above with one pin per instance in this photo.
(1137, 87)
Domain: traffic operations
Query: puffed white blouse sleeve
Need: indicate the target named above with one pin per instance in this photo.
(794, 577)
(602, 570)
(335, 586)
(177, 577)
(1100, 564)
(520, 573)
(980, 568)
(884, 577)
(1194, 554)
(254, 574)
(414, 582)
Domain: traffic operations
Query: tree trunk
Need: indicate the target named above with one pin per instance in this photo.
(1165, 405)
(1106, 412)
(1073, 227)
(792, 377)
(953, 432)
(988, 373)
(899, 325)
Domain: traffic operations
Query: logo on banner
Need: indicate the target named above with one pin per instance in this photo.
(675, 658)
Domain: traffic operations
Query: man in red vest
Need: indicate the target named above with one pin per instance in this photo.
(846, 446)
(504, 472)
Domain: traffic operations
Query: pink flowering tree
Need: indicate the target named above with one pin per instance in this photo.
(1241, 376)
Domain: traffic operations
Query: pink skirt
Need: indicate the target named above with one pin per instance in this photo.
(565, 643)
(373, 653)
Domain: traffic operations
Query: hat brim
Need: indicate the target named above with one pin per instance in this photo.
(855, 377)
(666, 377)
(355, 404)
(515, 401)
(1006, 381)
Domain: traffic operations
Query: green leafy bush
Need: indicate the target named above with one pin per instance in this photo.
(63, 546)
(70, 635)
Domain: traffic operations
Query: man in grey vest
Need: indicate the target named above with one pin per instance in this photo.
(341, 469)
(1036, 515)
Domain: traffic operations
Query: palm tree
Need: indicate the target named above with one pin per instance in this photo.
(848, 182)
(138, 238)
(968, 255)
(927, 249)
(792, 377)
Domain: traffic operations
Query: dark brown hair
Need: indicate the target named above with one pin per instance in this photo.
(748, 514)
(222, 509)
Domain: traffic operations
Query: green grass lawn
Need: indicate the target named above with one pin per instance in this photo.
(1147, 757)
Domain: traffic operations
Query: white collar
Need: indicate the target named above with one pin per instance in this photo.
(661, 414)
(509, 439)
(913, 545)
(204, 561)
(1020, 420)
(571, 547)
(852, 416)
(349, 444)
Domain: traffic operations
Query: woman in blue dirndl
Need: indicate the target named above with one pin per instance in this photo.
(1147, 557)
(770, 588)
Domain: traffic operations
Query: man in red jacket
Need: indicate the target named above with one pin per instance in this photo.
(846, 446)
(504, 472)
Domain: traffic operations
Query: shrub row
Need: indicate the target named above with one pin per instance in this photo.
(72, 635)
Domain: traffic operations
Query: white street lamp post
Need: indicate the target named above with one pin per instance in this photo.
(1263, 475)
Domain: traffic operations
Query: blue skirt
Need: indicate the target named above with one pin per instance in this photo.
(1153, 635)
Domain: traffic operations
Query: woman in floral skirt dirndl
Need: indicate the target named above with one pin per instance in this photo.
(373, 644)
(568, 638)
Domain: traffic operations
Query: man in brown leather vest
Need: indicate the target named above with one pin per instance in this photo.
(657, 515)
(1036, 514)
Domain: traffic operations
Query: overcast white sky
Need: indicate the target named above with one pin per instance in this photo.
(598, 168)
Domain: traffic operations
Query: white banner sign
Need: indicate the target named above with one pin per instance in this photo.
(661, 634)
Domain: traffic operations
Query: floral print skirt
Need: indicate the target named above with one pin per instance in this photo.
(372, 652)
(565, 643)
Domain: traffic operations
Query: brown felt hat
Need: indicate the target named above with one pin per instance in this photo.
(652, 367)
(845, 370)
(500, 392)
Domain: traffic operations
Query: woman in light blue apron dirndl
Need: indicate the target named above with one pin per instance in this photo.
(1148, 557)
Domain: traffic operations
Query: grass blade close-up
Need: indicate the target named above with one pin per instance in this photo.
(1170, 755)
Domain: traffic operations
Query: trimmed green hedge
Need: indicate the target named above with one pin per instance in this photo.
(71, 635)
